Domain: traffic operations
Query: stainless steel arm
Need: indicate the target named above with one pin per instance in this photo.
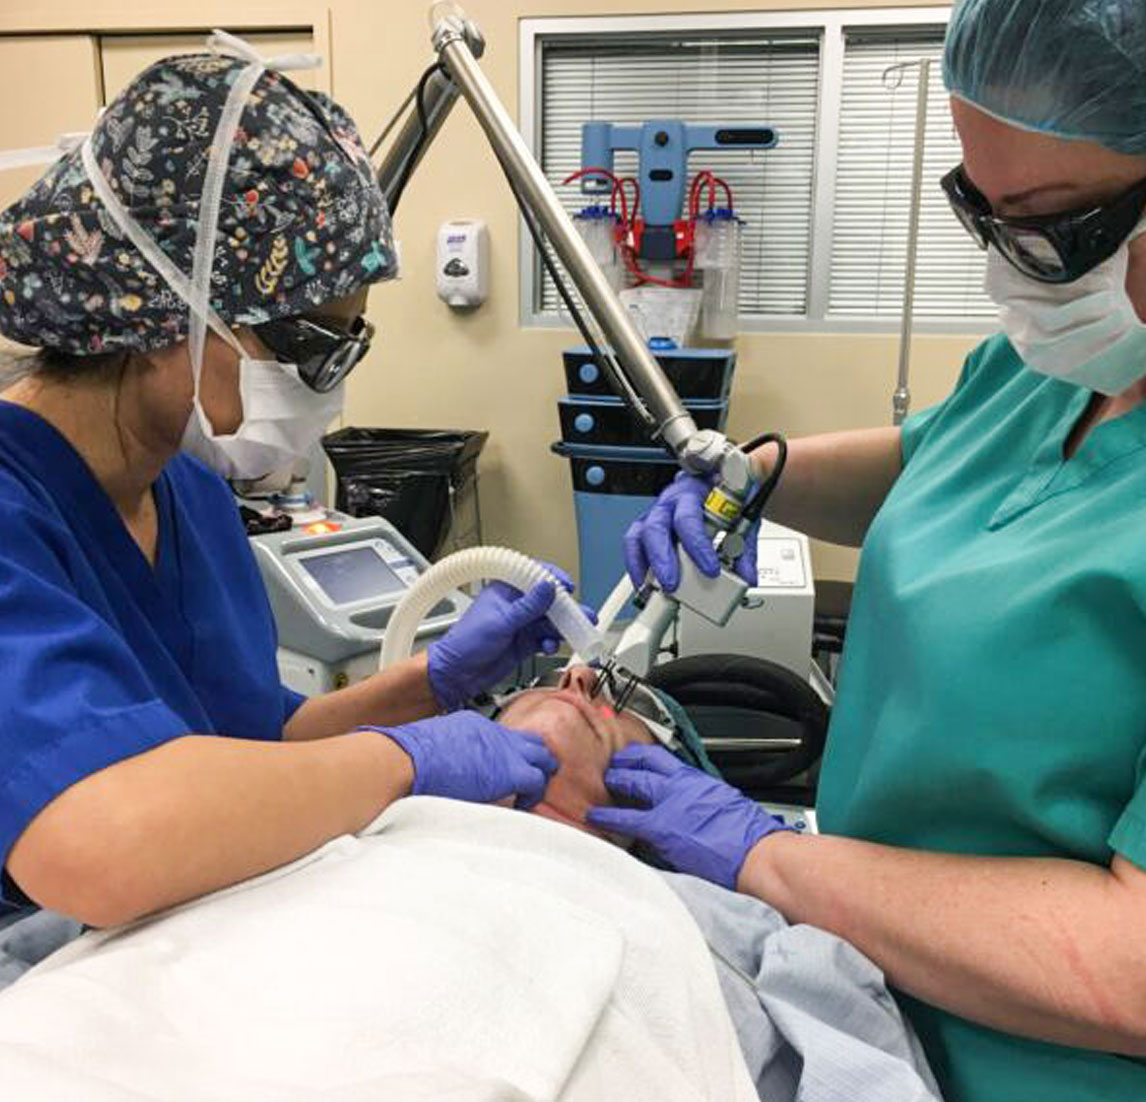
(674, 424)
(634, 371)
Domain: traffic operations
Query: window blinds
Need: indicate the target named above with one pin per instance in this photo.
(873, 189)
(767, 78)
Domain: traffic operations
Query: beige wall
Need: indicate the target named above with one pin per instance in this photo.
(435, 368)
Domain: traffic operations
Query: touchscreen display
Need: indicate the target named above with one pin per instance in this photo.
(352, 575)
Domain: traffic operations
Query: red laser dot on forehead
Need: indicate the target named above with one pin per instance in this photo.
(607, 712)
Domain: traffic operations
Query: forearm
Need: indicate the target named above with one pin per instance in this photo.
(198, 814)
(1049, 949)
(833, 484)
(400, 694)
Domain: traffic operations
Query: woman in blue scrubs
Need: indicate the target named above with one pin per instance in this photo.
(198, 284)
(983, 794)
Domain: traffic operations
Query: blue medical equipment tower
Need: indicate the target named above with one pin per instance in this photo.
(663, 146)
(617, 471)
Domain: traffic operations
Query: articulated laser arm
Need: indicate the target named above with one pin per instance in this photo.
(634, 372)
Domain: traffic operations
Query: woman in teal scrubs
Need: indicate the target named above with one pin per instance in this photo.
(983, 794)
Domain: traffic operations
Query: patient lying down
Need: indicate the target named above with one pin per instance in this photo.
(766, 969)
(453, 950)
(583, 733)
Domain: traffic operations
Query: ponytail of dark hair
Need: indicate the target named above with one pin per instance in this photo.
(57, 366)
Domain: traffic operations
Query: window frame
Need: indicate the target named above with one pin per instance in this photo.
(832, 27)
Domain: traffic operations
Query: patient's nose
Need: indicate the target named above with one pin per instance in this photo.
(580, 679)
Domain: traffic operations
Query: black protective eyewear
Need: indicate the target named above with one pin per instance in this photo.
(325, 354)
(623, 691)
(1051, 248)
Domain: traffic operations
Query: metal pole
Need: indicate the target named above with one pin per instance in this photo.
(901, 399)
(675, 424)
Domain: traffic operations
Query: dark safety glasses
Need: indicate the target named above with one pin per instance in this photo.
(325, 354)
(621, 690)
(1052, 248)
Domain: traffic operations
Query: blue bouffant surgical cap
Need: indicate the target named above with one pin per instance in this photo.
(1068, 68)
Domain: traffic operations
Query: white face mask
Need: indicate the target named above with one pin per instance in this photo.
(283, 418)
(1086, 332)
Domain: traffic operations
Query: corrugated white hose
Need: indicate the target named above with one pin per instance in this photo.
(480, 564)
(622, 591)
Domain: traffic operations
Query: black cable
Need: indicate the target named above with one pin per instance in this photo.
(424, 123)
(420, 93)
(604, 363)
(535, 232)
(755, 508)
(759, 441)
(555, 275)
(391, 124)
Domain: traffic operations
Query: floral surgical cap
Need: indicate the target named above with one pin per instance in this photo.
(1068, 68)
(302, 220)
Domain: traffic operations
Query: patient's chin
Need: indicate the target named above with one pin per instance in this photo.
(548, 811)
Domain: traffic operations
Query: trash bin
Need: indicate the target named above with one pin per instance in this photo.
(424, 481)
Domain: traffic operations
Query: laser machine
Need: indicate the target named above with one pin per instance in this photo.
(618, 350)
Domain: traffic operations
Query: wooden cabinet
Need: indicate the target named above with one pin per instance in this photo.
(123, 55)
(37, 111)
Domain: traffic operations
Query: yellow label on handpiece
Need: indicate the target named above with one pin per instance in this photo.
(719, 504)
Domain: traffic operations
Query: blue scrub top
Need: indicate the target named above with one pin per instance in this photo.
(104, 656)
(991, 697)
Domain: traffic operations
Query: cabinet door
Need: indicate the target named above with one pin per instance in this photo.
(124, 55)
(37, 111)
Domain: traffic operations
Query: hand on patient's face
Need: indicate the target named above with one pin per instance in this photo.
(583, 735)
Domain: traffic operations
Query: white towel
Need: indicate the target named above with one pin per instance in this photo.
(451, 952)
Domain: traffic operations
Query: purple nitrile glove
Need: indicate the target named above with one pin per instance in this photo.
(501, 629)
(698, 824)
(467, 757)
(678, 514)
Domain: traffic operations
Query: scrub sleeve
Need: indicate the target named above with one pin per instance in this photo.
(105, 656)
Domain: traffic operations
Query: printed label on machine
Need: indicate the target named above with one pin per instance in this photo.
(801, 819)
(780, 563)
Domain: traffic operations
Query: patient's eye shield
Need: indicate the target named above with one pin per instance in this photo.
(621, 690)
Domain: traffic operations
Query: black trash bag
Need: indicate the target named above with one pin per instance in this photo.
(404, 475)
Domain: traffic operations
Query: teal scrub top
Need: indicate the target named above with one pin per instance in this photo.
(991, 697)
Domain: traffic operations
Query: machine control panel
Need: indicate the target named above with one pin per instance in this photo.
(355, 574)
(333, 586)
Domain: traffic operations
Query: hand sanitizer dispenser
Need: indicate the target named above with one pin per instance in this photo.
(463, 263)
